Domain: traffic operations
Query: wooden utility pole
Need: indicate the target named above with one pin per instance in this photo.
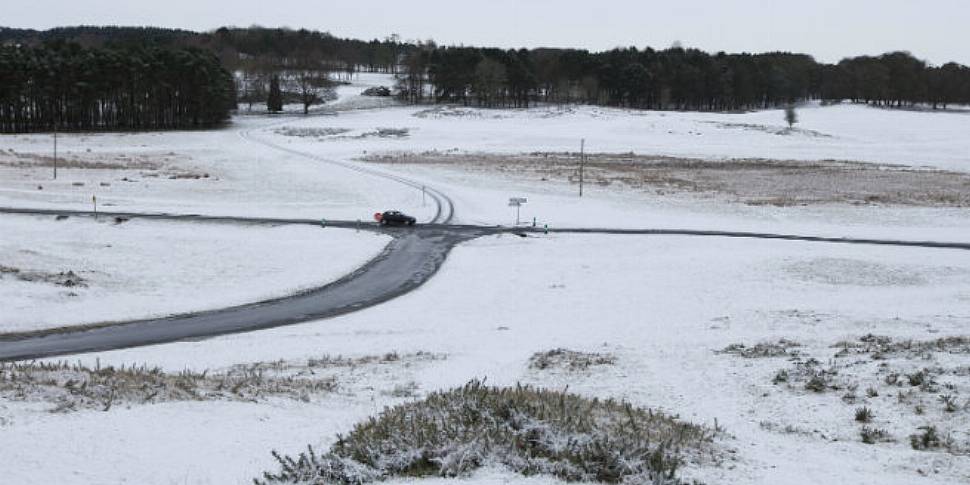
(582, 160)
(55, 150)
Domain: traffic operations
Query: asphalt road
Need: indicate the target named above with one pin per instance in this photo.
(412, 257)
(407, 262)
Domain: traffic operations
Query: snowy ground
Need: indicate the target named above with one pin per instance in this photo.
(663, 306)
(841, 132)
(858, 133)
(77, 271)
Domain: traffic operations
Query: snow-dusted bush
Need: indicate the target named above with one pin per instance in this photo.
(527, 429)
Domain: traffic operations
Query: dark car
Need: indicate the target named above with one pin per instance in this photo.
(396, 218)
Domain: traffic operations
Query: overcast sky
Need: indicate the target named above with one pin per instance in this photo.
(935, 30)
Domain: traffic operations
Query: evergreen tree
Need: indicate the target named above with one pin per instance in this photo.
(274, 100)
(128, 88)
(152, 77)
(791, 117)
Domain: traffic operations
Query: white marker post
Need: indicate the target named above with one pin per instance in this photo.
(517, 203)
(582, 161)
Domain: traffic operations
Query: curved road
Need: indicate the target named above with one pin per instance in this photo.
(445, 207)
(412, 257)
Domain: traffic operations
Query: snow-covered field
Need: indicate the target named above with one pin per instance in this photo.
(858, 133)
(661, 305)
(664, 307)
(57, 273)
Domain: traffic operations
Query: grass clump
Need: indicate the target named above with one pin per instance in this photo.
(863, 414)
(529, 430)
(927, 438)
(817, 383)
(73, 387)
(569, 360)
(780, 377)
(949, 403)
(871, 436)
(781, 348)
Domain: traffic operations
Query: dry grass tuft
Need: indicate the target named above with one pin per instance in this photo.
(781, 348)
(569, 360)
(73, 387)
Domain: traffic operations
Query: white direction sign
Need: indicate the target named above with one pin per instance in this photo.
(517, 203)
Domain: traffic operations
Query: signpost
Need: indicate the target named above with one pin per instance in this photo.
(517, 203)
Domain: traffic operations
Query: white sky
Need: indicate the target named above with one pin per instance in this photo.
(935, 30)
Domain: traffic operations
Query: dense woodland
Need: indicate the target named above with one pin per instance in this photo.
(123, 77)
(676, 78)
(68, 87)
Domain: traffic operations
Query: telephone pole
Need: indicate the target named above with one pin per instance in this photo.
(55, 150)
(582, 159)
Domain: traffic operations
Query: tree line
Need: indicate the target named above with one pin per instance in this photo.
(270, 66)
(304, 63)
(239, 48)
(61, 85)
(671, 79)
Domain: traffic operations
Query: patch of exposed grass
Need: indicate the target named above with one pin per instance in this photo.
(781, 348)
(778, 182)
(569, 360)
(310, 132)
(882, 347)
(529, 430)
(67, 279)
(73, 387)
(809, 375)
(916, 382)
(76, 387)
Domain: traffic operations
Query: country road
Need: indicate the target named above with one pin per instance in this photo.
(413, 257)
(410, 259)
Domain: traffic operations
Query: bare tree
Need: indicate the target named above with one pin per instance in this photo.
(251, 89)
(312, 87)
